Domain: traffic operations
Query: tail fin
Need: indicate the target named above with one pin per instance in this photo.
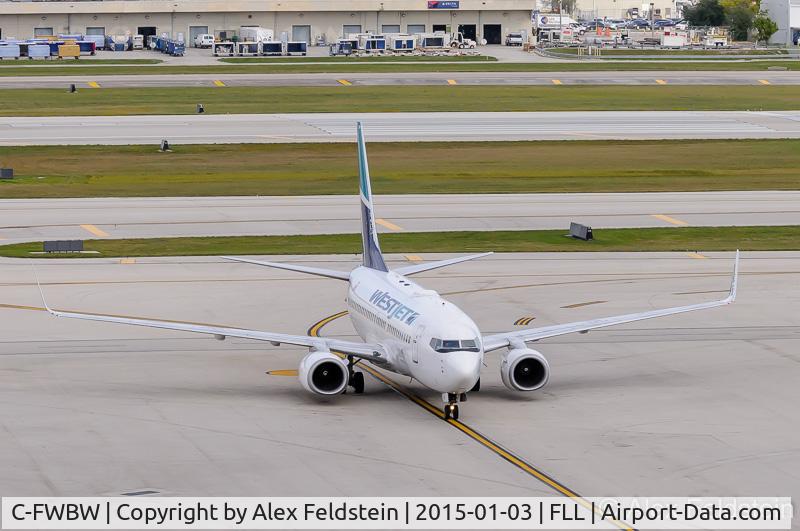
(369, 236)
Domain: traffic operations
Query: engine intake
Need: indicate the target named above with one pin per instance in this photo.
(524, 369)
(323, 373)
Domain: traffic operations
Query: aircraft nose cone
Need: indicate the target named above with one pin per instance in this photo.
(462, 370)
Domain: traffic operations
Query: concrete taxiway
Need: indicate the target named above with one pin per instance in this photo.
(421, 126)
(697, 404)
(407, 78)
(47, 219)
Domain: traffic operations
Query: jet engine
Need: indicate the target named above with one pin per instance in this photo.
(323, 373)
(524, 369)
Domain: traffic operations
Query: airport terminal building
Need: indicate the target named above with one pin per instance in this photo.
(301, 20)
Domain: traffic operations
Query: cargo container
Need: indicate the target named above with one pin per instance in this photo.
(270, 48)
(39, 51)
(247, 48)
(255, 34)
(9, 51)
(401, 43)
(223, 49)
(69, 50)
(296, 48)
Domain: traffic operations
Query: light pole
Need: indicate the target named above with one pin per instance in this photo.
(652, 26)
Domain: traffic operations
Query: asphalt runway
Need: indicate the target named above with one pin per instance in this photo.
(91, 82)
(399, 127)
(687, 405)
(48, 219)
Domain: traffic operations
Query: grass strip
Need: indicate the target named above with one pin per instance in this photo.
(444, 98)
(361, 59)
(54, 63)
(402, 168)
(654, 239)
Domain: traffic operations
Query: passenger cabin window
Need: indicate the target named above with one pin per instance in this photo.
(454, 345)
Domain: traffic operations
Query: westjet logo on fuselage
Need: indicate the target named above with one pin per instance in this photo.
(394, 308)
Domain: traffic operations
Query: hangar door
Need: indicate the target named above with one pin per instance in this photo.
(415, 28)
(470, 31)
(96, 30)
(492, 33)
(194, 31)
(347, 29)
(301, 33)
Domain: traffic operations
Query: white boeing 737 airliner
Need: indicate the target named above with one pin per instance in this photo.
(406, 328)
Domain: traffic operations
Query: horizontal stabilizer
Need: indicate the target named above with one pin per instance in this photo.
(419, 268)
(320, 272)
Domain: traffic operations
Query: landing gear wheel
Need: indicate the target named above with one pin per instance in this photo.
(451, 411)
(357, 382)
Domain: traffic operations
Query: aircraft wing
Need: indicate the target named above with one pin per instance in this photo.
(496, 341)
(361, 350)
(419, 268)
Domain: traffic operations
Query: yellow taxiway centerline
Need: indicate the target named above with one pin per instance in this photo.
(95, 231)
(669, 219)
(388, 224)
(344, 82)
(219, 83)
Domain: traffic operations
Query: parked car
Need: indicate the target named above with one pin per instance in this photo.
(578, 28)
(639, 23)
(514, 39)
(681, 25)
(204, 40)
(663, 23)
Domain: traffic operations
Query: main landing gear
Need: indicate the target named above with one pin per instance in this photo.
(451, 407)
(355, 379)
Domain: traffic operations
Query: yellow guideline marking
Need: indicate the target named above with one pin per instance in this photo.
(661, 82)
(465, 429)
(763, 81)
(93, 84)
(94, 230)
(388, 224)
(451, 82)
(344, 82)
(668, 219)
(697, 255)
(219, 83)
(283, 372)
(581, 304)
(557, 82)
(127, 260)
(522, 321)
(413, 258)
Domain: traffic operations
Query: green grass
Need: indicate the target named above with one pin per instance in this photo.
(402, 168)
(71, 63)
(235, 100)
(352, 66)
(659, 239)
(359, 59)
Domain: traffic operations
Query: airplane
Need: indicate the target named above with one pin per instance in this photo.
(405, 328)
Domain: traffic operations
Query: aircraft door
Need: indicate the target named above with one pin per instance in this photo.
(418, 345)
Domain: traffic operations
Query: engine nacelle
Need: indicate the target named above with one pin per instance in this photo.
(323, 373)
(524, 369)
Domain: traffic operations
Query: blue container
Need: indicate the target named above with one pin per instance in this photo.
(87, 47)
(9, 51)
(98, 40)
(76, 37)
(53, 45)
(39, 50)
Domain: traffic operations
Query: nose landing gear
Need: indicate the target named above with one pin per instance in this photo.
(451, 406)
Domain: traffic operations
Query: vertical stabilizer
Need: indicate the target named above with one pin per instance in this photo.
(369, 236)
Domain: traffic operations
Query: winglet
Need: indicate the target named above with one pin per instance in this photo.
(41, 292)
(735, 280)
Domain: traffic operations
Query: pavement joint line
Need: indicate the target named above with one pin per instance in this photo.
(219, 83)
(388, 224)
(95, 231)
(409, 257)
(344, 82)
(582, 304)
(452, 82)
(669, 219)
(763, 81)
(661, 82)
(556, 82)
(470, 432)
(93, 84)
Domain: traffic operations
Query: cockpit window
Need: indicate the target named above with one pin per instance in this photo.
(454, 345)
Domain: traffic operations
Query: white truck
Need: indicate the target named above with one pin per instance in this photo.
(204, 40)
